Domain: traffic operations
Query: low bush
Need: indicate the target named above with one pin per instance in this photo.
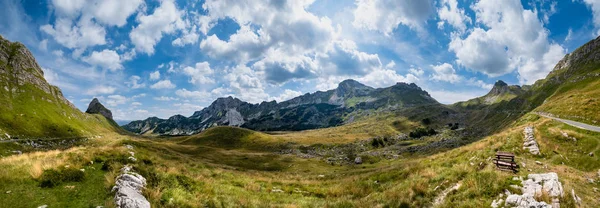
(421, 132)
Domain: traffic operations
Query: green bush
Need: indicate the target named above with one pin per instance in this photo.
(51, 178)
(421, 132)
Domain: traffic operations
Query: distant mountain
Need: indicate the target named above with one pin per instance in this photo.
(32, 108)
(500, 92)
(308, 111)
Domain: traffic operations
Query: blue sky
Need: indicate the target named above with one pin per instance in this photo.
(163, 57)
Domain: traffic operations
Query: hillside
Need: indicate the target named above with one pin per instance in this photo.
(32, 108)
(350, 101)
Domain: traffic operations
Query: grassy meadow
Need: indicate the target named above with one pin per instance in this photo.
(232, 167)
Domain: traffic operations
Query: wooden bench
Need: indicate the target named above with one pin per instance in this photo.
(506, 161)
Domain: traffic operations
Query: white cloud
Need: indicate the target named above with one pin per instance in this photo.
(155, 75)
(83, 34)
(499, 49)
(246, 84)
(136, 104)
(134, 82)
(164, 98)
(107, 59)
(445, 72)
(114, 12)
(163, 84)
(455, 16)
(165, 19)
(242, 46)
(344, 58)
(450, 97)
(68, 7)
(196, 95)
(199, 74)
(569, 36)
(386, 15)
(188, 37)
(386, 78)
(101, 89)
(287, 94)
(115, 100)
(595, 7)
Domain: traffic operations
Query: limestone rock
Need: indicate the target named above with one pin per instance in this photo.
(128, 188)
(534, 186)
(529, 142)
(358, 160)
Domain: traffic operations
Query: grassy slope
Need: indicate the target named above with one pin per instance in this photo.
(576, 100)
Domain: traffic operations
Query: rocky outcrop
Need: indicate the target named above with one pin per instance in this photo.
(529, 142)
(129, 186)
(535, 186)
(96, 107)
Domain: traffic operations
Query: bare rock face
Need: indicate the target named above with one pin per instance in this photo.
(96, 107)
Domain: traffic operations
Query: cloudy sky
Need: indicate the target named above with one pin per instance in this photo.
(163, 57)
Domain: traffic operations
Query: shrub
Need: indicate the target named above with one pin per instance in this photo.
(426, 121)
(51, 178)
(421, 132)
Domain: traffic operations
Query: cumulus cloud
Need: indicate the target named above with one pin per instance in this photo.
(345, 59)
(498, 49)
(287, 94)
(113, 12)
(445, 72)
(107, 59)
(155, 75)
(82, 34)
(199, 74)
(246, 84)
(166, 19)
(449, 12)
(385, 15)
(78, 23)
(163, 84)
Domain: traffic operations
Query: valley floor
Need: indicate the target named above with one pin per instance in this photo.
(259, 171)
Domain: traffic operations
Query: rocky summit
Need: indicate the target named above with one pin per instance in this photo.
(95, 107)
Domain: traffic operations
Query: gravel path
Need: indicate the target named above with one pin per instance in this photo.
(574, 123)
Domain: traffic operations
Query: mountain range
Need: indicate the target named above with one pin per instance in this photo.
(343, 104)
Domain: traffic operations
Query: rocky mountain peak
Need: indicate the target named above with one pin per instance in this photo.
(96, 107)
(351, 87)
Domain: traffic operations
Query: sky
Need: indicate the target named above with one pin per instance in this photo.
(145, 58)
